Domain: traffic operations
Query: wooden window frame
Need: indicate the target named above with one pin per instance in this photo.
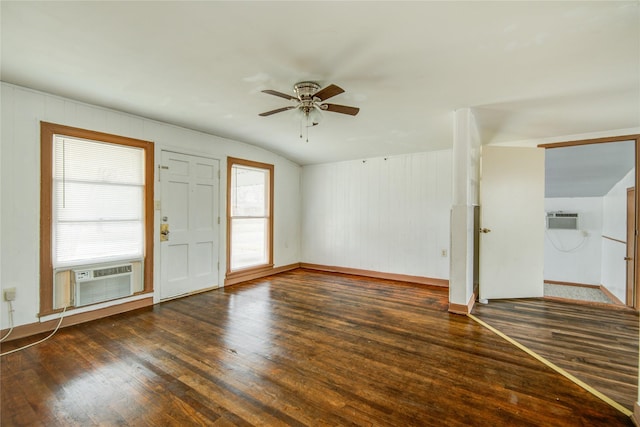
(237, 275)
(47, 133)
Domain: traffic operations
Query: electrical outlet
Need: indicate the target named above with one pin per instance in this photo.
(10, 294)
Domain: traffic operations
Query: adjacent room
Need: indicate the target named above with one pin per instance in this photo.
(319, 213)
(586, 237)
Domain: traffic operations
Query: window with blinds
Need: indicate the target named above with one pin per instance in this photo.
(250, 208)
(96, 214)
(98, 202)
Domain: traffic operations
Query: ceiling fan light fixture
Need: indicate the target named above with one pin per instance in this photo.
(309, 109)
(314, 116)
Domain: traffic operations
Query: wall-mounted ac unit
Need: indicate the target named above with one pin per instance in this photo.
(100, 284)
(562, 220)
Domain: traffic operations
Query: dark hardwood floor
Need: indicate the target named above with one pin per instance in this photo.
(299, 348)
(598, 345)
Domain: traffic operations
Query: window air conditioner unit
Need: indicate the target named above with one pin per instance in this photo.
(562, 220)
(100, 284)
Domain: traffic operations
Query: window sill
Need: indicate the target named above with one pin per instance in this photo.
(96, 306)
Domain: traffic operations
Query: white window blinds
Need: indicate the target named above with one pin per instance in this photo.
(98, 202)
(249, 216)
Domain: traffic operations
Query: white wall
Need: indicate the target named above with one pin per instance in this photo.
(465, 199)
(569, 255)
(614, 224)
(22, 111)
(384, 214)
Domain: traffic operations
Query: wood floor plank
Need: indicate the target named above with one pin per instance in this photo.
(298, 348)
(598, 345)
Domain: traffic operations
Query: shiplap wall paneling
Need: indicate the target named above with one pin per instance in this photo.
(384, 214)
(22, 111)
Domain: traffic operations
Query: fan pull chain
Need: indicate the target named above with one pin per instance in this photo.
(306, 128)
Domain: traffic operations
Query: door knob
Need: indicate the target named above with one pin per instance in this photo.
(627, 258)
(485, 230)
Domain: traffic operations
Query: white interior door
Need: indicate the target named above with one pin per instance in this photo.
(189, 257)
(512, 208)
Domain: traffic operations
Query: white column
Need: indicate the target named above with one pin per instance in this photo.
(466, 158)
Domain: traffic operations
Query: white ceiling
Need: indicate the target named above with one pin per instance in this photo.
(528, 69)
(587, 170)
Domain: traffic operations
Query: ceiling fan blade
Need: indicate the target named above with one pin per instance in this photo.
(328, 92)
(279, 110)
(340, 109)
(280, 94)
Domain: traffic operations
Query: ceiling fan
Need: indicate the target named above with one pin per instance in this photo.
(310, 100)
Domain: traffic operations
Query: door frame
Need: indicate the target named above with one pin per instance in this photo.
(636, 138)
(632, 294)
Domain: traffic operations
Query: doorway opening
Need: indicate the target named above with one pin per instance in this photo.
(590, 204)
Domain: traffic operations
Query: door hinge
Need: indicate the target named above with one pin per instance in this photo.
(218, 265)
(218, 220)
(218, 173)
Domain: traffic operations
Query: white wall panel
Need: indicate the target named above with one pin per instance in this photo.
(465, 192)
(384, 214)
(575, 255)
(22, 111)
(20, 216)
(614, 205)
(614, 224)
